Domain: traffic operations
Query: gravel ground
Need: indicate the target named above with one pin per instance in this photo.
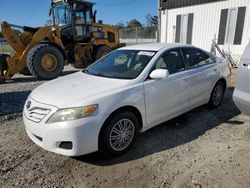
(201, 148)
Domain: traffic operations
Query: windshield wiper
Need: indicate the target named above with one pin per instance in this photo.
(100, 74)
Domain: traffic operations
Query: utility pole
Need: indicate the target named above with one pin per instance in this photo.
(159, 21)
(160, 8)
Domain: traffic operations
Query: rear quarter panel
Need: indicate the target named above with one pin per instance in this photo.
(241, 96)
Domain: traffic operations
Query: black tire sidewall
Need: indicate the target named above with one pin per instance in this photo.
(3, 66)
(211, 101)
(36, 62)
(104, 145)
(100, 50)
(3, 62)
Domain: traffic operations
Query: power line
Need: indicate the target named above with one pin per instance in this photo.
(30, 11)
(118, 4)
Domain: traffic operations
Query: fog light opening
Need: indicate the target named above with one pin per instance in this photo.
(66, 145)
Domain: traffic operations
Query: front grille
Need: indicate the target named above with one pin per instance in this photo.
(37, 114)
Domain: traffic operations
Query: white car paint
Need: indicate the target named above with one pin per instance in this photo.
(241, 94)
(157, 100)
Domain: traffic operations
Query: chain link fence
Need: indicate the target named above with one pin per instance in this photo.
(138, 35)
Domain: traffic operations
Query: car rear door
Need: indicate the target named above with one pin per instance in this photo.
(203, 72)
(241, 94)
(167, 97)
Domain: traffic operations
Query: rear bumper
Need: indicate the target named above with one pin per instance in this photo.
(242, 101)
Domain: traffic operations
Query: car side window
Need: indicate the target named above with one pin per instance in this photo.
(196, 57)
(172, 61)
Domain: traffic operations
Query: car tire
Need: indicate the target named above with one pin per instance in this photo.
(118, 134)
(217, 95)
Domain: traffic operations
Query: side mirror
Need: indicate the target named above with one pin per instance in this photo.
(159, 74)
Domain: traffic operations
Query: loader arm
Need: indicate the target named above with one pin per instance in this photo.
(22, 44)
(12, 38)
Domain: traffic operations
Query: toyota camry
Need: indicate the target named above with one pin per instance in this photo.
(130, 90)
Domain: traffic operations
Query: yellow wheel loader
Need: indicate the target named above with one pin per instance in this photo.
(74, 38)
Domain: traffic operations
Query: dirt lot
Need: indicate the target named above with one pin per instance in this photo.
(201, 148)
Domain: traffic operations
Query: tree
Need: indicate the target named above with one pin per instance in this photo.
(134, 23)
(1, 35)
(49, 22)
(151, 20)
(119, 25)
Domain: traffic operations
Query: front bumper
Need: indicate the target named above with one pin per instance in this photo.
(82, 134)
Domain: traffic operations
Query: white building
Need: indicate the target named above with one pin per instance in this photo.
(198, 22)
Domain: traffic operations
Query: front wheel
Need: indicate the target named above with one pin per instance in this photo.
(217, 95)
(118, 134)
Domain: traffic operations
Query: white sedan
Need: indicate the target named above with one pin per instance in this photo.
(241, 95)
(127, 92)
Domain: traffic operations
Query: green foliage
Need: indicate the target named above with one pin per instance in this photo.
(151, 20)
(49, 22)
(120, 25)
(134, 23)
(5, 49)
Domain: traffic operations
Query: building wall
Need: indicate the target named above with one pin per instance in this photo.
(205, 24)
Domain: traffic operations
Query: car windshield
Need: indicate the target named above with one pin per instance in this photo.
(121, 64)
(62, 14)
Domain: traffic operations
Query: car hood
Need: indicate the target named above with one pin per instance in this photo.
(75, 89)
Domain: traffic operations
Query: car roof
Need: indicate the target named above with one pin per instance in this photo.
(154, 46)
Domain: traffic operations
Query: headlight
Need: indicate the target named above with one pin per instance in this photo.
(69, 114)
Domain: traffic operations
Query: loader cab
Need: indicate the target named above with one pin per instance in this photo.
(62, 14)
(75, 18)
(83, 21)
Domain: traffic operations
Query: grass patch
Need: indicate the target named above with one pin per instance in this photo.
(5, 49)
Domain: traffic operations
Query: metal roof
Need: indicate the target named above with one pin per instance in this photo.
(172, 4)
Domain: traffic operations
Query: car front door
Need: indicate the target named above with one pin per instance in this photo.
(203, 72)
(168, 97)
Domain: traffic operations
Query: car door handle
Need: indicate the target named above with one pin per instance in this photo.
(246, 65)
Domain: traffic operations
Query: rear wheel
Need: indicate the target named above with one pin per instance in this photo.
(101, 51)
(45, 61)
(3, 66)
(118, 134)
(217, 95)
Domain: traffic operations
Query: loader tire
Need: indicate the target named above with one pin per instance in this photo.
(101, 51)
(3, 66)
(45, 61)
